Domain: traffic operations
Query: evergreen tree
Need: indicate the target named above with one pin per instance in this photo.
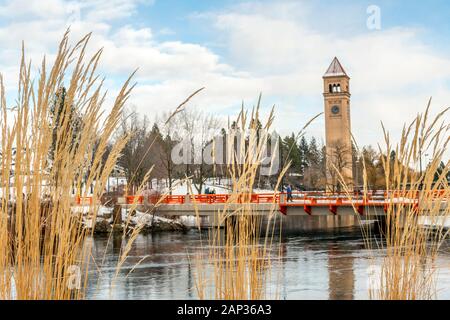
(292, 153)
(66, 125)
(304, 154)
(63, 115)
(440, 171)
(155, 131)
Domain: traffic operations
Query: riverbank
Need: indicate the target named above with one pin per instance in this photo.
(146, 222)
(152, 222)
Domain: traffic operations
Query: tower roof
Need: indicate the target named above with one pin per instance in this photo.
(335, 69)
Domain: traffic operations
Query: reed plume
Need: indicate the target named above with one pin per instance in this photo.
(239, 247)
(416, 207)
(53, 143)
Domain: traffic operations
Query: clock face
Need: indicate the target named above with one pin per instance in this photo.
(335, 110)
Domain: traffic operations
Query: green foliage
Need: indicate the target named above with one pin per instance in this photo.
(62, 112)
(439, 173)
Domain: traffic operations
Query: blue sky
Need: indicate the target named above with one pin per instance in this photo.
(237, 49)
(176, 15)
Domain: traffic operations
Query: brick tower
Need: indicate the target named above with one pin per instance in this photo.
(337, 126)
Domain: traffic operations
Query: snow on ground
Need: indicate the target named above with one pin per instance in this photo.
(435, 221)
(147, 219)
(180, 187)
(85, 209)
(143, 218)
(88, 221)
(139, 218)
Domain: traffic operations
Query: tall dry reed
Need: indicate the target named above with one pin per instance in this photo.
(241, 242)
(417, 205)
(60, 135)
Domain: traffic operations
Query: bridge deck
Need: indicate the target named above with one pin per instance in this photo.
(303, 203)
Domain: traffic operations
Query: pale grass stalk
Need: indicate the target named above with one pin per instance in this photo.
(42, 240)
(239, 260)
(408, 270)
(134, 233)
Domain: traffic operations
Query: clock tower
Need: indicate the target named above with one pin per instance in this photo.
(337, 126)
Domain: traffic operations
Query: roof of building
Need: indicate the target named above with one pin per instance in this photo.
(335, 69)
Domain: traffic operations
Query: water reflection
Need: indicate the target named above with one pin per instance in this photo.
(307, 266)
(117, 238)
(341, 276)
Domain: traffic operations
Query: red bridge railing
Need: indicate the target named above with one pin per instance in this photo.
(213, 198)
(313, 198)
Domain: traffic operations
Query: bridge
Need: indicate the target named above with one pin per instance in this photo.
(312, 203)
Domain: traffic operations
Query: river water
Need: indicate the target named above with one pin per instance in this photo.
(325, 265)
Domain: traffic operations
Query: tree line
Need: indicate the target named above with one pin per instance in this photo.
(151, 144)
(151, 147)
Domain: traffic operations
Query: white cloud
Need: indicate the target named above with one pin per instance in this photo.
(108, 10)
(273, 48)
(39, 9)
(393, 71)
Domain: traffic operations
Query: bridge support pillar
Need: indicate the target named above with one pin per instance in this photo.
(306, 223)
(380, 225)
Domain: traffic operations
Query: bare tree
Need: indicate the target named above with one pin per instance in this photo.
(199, 129)
(339, 165)
(135, 158)
(156, 147)
(171, 135)
(315, 166)
(370, 159)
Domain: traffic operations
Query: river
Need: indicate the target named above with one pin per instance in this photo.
(320, 265)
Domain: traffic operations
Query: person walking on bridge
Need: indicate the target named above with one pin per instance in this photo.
(289, 193)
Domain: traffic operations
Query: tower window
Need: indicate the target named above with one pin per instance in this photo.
(335, 87)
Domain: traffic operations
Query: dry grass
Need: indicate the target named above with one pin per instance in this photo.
(42, 241)
(408, 270)
(62, 142)
(240, 253)
(42, 251)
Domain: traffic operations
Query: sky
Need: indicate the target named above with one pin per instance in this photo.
(239, 49)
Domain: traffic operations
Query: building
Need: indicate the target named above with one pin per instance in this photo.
(337, 126)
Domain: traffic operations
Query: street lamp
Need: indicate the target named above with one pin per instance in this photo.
(357, 175)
